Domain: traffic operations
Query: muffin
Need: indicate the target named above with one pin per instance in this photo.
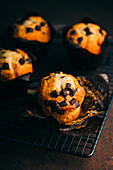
(32, 32)
(15, 69)
(84, 44)
(14, 64)
(60, 96)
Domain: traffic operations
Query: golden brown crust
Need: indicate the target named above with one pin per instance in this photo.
(61, 96)
(88, 36)
(14, 64)
(34, 28)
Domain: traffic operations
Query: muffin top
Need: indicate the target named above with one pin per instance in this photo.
(32, 28)
(88, 36)
(14, 63)
(60, 95)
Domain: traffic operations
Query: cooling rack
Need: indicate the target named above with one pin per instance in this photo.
(45, 133)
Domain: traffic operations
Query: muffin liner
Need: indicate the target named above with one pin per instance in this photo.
(81, 58)
(37, 48)
(94, 104)
(18, 86)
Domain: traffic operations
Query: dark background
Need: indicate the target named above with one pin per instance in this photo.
(58, 12)
(14, 156)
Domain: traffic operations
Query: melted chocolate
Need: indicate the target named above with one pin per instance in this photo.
(37, 28)
(3, 52)
(72, 32)
(5, 66)
(29, 30)
(87, 31)
(54, 94)
(72, 92)
(68, 85)
(63, 103)
(72, 101)
(77, 104)
(42, 24)
(4, 57)
(79, 39)
(21, 61)
(63, 93)
(62, 77)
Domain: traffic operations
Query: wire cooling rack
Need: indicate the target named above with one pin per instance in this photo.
(45, 133)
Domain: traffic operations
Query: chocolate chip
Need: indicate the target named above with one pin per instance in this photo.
(72, 32)
(5, 66)
(3, 52)
(79, 39)
(68, 85)
(21, 61)
(54, 94)
(72, 101)
(61, 112)
(42, 24)
(29, 61)
(77, 104)
(72, 92)
(37, 28)
(53, 105)
(4, 57)
(29, 30)
(63, 93)
(100, 30)
(63, 103)
(46, 102)
(62, 77)
(87, 31)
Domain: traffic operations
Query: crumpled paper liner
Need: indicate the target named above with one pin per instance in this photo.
(95, 102)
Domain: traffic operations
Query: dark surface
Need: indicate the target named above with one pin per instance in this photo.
(14, 156)
(19, 156)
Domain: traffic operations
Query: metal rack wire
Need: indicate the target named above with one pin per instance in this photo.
(82, 145)
(43, 134)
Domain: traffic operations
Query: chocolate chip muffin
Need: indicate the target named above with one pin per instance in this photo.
(89, 36)
(84, 43)
(61, 96)
(13, 64)
(31, 32)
